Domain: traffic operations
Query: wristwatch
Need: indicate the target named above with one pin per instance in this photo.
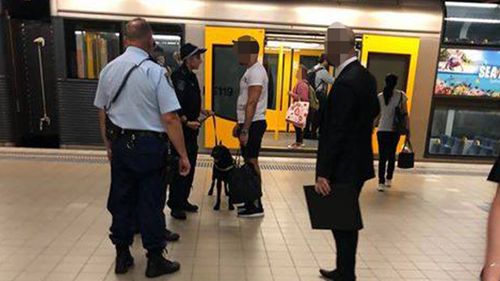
(244, 131)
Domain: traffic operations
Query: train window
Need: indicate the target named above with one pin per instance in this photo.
(472, 24)
(227, 73)
(90, 45)
(94, 50)
(380, 64)
(465, 131)
(168, 39)
(308, 61)
(167, 46)
(271, 66)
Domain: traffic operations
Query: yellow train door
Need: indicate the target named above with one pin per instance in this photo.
(390, 54)
(222, 78)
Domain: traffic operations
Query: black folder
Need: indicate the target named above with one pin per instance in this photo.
(319, 207)
(338, 210)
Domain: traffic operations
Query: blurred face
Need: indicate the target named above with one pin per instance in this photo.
(339, 46)
(246, 52)
(194, 62)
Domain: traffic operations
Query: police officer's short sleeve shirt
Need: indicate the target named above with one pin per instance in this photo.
(146, 95)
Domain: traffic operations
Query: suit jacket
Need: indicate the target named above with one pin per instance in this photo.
(345, 153)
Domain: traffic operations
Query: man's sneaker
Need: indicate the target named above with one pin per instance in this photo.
(381, 187)
(159, 265)
(388, 183)
(241, 208)
(178, 214)
(124, 260)
(171, 236)
(252, 212)
(188, 207)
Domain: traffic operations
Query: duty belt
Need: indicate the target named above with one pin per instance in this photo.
(142, 133)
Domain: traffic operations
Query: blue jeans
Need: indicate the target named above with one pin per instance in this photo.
(138, 187)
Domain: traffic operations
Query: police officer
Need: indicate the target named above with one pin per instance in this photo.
(136, 107)
(189, 95)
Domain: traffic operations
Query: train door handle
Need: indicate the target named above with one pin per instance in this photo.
(45, 119)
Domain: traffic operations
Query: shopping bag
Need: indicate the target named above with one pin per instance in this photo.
(406, 158)
(297, 113)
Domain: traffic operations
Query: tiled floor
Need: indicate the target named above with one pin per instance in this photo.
(429, 226)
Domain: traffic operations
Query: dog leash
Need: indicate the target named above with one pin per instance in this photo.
(215, 130)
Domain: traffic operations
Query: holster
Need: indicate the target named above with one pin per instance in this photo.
(112, 131)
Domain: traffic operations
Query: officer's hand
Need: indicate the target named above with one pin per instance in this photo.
(194, 125)
(322, 186)
(184, 166)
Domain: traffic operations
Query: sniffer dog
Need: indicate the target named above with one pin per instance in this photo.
(223, 164)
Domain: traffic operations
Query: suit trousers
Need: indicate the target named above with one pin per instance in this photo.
(138, 189)
(346, 242)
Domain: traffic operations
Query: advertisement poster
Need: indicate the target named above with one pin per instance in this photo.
(463, 72)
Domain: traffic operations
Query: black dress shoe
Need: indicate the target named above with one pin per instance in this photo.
(333, 275)
(171, 236)
(158, 265)
(124, 260)
(188, 207)
(178, 214)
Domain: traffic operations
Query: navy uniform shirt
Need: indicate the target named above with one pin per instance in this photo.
(145, 97)
(189, 96)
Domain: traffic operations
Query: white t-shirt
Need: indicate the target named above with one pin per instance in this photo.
(387, 111)
(256, 75)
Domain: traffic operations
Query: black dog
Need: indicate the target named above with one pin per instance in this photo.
(223, 164)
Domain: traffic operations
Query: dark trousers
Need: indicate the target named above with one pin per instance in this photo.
(138, 188)
(316, 122)
(346, 242)
(180, 188)
(387, 144)
(310, 117)
(299, 134)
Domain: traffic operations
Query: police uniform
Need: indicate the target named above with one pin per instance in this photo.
(188, 93)
(139, 149)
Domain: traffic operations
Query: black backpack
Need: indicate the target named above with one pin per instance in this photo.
(311, 77)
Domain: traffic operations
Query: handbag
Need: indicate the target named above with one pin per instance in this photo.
(313, 99)
(400, 118)
(244, 183)
(297, 113)
(406, 158)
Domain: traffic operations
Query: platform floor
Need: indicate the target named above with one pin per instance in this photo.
(429, 226)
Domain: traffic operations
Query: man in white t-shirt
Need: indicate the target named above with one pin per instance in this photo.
(251, 111)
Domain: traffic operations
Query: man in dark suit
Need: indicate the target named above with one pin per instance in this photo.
(345, 156)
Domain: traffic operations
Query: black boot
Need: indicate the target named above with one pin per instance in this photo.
(124, 259)
(158, 265)
(171, 236)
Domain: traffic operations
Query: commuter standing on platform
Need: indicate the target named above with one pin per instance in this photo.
(322, 79)
(251, 112)
(491, 271)
(136, 107)
(300, 93)
(387, 136)
(189, 95)
(345, 156)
